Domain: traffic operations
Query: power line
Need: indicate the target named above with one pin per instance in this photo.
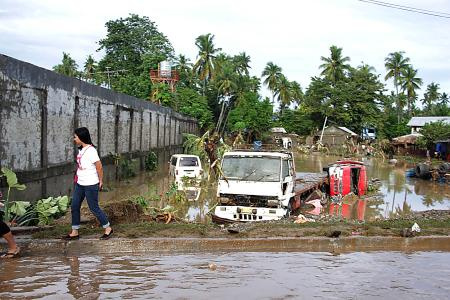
(408, 8)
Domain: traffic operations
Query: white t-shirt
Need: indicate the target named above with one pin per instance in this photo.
(86, 172)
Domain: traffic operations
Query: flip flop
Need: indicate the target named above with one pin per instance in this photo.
(107, 236)
(8, 255)
(70, 238)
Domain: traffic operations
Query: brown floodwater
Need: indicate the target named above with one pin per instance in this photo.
(398, 194)
(236, 275)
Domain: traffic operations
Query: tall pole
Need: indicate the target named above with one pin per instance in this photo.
(323, 128)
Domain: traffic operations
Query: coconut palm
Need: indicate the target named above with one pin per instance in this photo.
(90, 67)
(409, 84)
(396, 65)
(272, 74)
(431, 95)
(334, 67)
(444, 99)
(184, 68)
(284, 93)
(296, 92)
(67, 67)
(242, 63)
(204, 66)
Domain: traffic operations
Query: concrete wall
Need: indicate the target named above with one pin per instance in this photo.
(39, 110)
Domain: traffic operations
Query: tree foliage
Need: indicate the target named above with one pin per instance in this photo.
(251, 114)
(132, 47)
(433, 132)
(67, 67)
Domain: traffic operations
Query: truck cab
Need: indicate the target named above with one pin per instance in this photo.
(255, 185)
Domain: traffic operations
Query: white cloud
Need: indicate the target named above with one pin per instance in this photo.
(292, 34)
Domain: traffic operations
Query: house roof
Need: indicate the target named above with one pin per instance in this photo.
(278, 130)
(347, 130)
(407, 139)
(421, 121)
(344, 129)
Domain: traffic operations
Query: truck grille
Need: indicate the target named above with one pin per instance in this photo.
(248, 200)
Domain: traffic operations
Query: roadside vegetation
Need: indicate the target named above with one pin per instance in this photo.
(218, 89)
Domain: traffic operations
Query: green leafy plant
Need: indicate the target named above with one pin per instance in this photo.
(151, 161)
(51, 208)
(17, 206)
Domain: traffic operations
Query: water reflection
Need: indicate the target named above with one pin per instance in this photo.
(399, 194)
(253, 275)
(157, 187)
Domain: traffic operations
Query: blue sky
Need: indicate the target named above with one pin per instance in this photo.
(292, 34)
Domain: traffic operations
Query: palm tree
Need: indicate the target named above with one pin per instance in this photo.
(90, 67)
(184, 68)
(284, 93)
(204, 66)
(272, 73)
(444, 99)
(431, 95)
(410, 83)
(67, 67)
(334, 66)
(242, 63)
(296, 92)
(395, 65)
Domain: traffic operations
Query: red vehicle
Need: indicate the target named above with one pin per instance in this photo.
(347, 176)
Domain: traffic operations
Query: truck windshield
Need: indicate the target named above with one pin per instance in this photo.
(252, 168)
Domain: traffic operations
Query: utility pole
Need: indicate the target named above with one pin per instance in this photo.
(109, 78)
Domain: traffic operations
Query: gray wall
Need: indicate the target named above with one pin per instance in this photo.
(39, 110)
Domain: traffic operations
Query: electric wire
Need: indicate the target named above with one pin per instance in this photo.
(408, 8)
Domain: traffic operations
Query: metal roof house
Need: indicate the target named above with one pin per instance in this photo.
(416, 123)
(335, 135)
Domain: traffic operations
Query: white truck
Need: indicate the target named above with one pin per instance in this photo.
(256, 186)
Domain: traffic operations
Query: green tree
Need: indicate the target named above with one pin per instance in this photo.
(431, 96)
(67, 67)
(296, 92)
(272, 74)
(192, 104)
(298, 121)
(242, 63)
(334, 67)
(90, 69)
(432, 132)
(204, 66)
(251, 114)
(184, 68)
(409, 84)
(395, 65)
(132, 47)
(284, 91)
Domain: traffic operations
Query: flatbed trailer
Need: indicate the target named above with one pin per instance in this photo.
(305, 184)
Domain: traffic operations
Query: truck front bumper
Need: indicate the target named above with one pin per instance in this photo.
(249, 214)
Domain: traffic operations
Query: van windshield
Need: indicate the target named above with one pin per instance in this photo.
(188, 162)
(252, 168)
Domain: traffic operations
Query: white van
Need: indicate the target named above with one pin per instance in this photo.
(184, 165)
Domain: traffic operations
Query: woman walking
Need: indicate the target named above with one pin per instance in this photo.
(13, 249)
(87, 183)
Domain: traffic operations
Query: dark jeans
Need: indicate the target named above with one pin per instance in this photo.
(90, 192)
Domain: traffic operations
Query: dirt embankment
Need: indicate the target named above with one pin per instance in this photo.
(129, 222)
